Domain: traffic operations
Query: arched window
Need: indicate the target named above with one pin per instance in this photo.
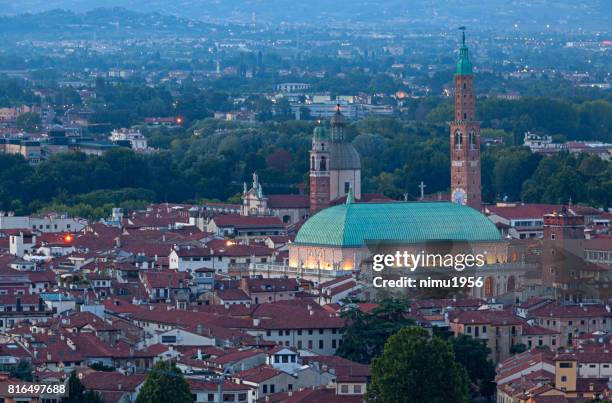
(458, 139)
(312, 163)
(464, 116)
(464, 86)
(323, 164)
(471, 139)
(489, 287)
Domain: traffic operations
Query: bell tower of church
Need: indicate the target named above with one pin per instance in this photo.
(319, 170)
(465, 136)
(335, 166)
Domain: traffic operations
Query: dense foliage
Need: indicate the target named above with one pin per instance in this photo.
(209, 159)
(365, 335)
(396, 156)
(76, 392)
(165, 383)
(22, 370)
(415, 367)
(473, 355)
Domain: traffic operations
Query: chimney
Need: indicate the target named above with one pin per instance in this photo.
(199, 328)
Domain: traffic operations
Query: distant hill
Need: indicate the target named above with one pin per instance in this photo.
(100, 22)
(570, 15)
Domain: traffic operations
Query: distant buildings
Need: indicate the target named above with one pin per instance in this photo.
(292, 87)
(134, 137)
(543, 144)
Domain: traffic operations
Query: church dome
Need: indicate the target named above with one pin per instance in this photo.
(351, 225)
(343, 156)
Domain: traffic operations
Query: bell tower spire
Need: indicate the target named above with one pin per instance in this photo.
(465, 135)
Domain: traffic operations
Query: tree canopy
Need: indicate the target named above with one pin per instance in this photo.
(365, 335)
(415, 367)
(473, 355)
(164, 383)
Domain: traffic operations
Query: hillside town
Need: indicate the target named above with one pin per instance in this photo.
(192, 210)
(248, 299)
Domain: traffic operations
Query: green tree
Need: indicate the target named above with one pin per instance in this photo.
(474, 356)
(92, 396)
(98, 366)
(29, 122)
(23, 370)
(165, 383)
(417, 368)
(518, 348)
(364, 338)
(75, 390)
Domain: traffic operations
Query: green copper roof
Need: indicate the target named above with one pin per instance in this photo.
(464, 65)
(350, 225)
(320, 133)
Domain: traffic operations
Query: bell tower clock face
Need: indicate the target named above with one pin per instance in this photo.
(459, 196)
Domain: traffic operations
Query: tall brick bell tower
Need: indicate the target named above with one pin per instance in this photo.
(319, 171)
(465, 136)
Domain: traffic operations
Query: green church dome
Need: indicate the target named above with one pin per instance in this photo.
(319, 133)
(350, 225)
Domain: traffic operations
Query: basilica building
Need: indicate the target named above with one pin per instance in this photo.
(338, 238)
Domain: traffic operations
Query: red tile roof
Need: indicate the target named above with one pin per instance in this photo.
(599, 244)
(237, 221)
(497, 318)
(232, 294)
(165, 279)
(235, 355)
(264, 285)
(516, 211)
(258, 374)
(288, 201)
(112, 381)
(346, 370)
(530, 330)
(571, 311)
